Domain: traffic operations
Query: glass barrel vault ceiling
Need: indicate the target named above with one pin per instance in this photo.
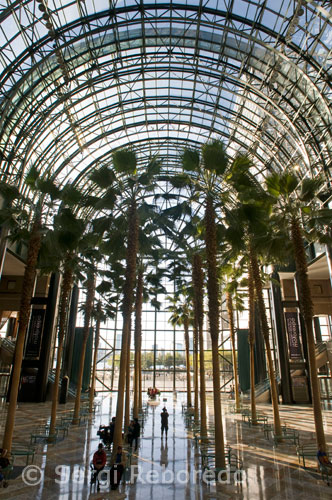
(80, 78)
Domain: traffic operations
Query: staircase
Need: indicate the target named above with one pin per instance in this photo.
(7, 349)
(71, 387)
(324, 354)
(262, 391)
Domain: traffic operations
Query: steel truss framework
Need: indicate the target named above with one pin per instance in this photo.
(77, 82)
(79, 78)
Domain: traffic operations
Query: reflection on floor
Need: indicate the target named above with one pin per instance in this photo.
(164, 467)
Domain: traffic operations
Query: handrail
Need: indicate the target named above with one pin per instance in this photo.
(320, 347)
(263, 386)
(51, 378)
(7, 344)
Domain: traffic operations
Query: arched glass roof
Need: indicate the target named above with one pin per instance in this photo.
(79, 78)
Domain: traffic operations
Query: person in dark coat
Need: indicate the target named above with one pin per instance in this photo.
(164, 422)
(136, 432)
(117, 469)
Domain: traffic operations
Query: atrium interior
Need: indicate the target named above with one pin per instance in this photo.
(165, 242)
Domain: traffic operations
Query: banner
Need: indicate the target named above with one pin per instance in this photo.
(35, 333)
(292, 325)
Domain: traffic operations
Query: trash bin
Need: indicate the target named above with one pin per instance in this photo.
(64, 390)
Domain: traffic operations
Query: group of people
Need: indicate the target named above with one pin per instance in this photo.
(99, 461)
(106, 434)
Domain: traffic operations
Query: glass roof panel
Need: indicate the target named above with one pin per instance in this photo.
(99, 75)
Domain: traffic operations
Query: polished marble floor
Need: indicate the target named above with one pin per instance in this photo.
(162, 469)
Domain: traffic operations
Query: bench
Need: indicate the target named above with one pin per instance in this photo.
(63, 427)
(240, 409)
(260, 419)
(25, 451)
(288, 434)
(206, 437)
(247, 416)
(43, 433)
(210, 456)
(233, 465)
(306, 451)
(68, 420)
(267, 428)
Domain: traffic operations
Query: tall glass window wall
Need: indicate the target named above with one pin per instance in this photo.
(163, 347)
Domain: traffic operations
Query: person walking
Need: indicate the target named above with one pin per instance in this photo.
(130, 433)
(164, 422)
(136, 432)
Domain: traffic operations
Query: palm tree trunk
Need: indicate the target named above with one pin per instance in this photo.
(24, 316)
(230, 311)
(251, 292)
(306, 308)
(186, 341)
(195, 362)
(265, 332)
(132, 249)
(219, 434)
(63, 316)
(140, 404)
(198, 281)
(91, 283)
(127, 398)
(137, 338)
(136, 382)
(213, 315)
(95, 355)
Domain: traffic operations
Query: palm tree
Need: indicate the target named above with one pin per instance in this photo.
(198, 282)
(266, 335)
(232, 274)
(149, 245)
(138, 340)
(125, 162)
(100, 316)
(251, 294)
(182, 315)
(66, 286)
(179, 271)
(206, 174)
(249, 231)
(127, 394)
(132, 247)
(23, 227)
(88, 307)
(148, 285)
(59, 250)
(297, 207)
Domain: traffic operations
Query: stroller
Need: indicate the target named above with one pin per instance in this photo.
(105, 435)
